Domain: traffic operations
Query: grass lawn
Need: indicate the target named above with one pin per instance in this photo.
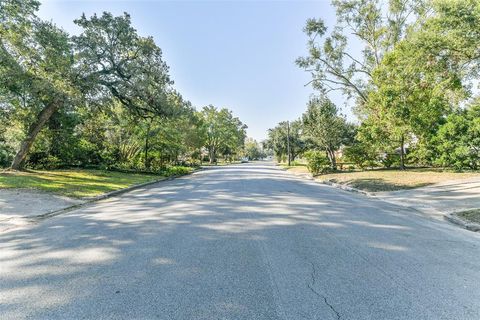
(391, 180)
(470, 215)
(73, 183)
(296, 169)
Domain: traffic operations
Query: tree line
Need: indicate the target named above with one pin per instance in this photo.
(410, 69)
(102, 97)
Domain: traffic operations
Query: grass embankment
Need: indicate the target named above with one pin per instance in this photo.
(74, 183)
(470, 215)
(388, 180)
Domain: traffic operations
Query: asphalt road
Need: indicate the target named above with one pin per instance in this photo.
(240, 242)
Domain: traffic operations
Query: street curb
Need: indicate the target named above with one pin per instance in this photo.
(455, 219)
(107, 195)
(346, 188)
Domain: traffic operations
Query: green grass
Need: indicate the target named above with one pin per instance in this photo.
(74, 183)
(470, 215)
(392, 180)
(299, 168)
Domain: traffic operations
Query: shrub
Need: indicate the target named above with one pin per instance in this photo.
(360, 155)
(176, 171)
(6, 156)
(46, 162)
(390, 160)
(317, 162)
(458, 140)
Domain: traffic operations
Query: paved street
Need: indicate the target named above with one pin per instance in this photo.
(240, 242)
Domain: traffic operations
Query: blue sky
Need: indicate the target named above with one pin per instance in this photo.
(238, 55)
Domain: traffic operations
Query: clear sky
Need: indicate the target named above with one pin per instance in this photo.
(235, 54)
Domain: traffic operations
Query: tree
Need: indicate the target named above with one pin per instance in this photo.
(421, 80)
(458, 140)
(330, 60)
(253, 150)
(36, 67)
(324, 127)
(114, 61)
(283, 136)
(102, 98)
(224, 132)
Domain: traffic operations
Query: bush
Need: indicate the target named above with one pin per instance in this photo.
(391, 160)
(458, 140)
(6, 156)
(317, 162)
(40, 160)
(176, 171)
(360, 155)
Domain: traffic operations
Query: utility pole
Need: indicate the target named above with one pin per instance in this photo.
(288, 141)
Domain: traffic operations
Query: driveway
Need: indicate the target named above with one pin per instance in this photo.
(240, 242)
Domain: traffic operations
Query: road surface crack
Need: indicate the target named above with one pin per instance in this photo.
(324, 298)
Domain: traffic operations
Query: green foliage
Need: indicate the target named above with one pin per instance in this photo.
(6, 155)
(114, 59)
(102, 98)
(416, 67)
(376, 28)
(325, 128)
(317, 162)
(225, 134)
(458, 140)
(253, 150)
(176, 171)
(278, 140)
(361, 155)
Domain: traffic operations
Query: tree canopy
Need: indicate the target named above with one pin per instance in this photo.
(102, 97)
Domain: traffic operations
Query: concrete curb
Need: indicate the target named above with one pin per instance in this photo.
(346, 188)
(107, 195)
(455, 219)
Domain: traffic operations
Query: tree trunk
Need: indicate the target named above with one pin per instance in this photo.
(333, 160)
(42, 118)
(212, 155)
(146, 162)
(402, 154)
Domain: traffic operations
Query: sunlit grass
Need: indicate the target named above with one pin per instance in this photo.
(296, 168)
(74, 183)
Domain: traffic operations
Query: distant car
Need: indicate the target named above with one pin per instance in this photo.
(244, 160)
